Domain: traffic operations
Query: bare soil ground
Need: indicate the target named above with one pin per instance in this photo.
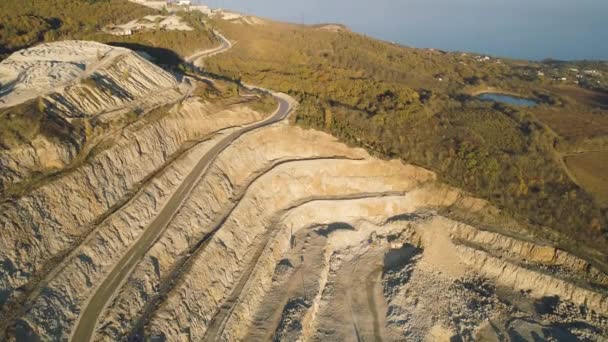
(294, 283)
(591, 171)
(353, 305)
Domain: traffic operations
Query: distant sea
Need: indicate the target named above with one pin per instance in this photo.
(522, 29)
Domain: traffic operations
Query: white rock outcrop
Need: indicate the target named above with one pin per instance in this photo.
(76, 79)
(42, 69)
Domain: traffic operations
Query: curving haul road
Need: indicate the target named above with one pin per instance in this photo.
(87, 321)
(224, 45)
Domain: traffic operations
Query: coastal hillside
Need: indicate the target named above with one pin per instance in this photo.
(421, 105)
(175, 173)
(196, 211)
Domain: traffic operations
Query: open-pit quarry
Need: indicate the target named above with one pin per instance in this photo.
(219, 222)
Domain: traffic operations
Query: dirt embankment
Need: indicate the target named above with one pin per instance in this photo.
(288, 235)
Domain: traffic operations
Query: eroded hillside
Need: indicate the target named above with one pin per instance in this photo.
(188, 208)
(60, 99)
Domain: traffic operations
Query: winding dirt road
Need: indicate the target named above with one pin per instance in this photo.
(224, 46)
(86, 324)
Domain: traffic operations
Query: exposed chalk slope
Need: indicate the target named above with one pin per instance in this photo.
(287, 235)
(76, 80)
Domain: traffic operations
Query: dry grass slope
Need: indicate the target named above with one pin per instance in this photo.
(591, 170)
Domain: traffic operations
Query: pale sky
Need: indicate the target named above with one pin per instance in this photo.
(532, 29)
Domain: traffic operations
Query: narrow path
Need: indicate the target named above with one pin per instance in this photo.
(224, 45)
(353, 305)
(219, 320)
(299, 282)
(561, 160)
(372, 281)
(353, 315)
(278, 297)
(366, 310)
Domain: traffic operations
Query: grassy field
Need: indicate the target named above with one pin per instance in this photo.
(574, 123)
(591, 171)
(582, 115)
(591, 98)
(414, 104)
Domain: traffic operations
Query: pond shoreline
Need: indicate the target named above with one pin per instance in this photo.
(492, 90)
(506, 97)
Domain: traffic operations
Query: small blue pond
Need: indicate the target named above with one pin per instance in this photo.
(508, 99)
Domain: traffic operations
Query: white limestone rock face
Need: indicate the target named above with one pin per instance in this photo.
(76, 80)
(39, 70)
(54, 71)
(52, 223)
(52, 219)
